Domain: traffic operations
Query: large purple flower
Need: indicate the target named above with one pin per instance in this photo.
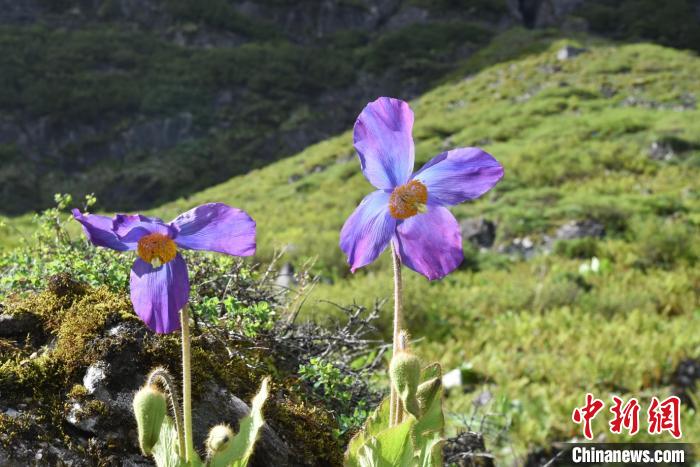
(159, 283)
(408, 209)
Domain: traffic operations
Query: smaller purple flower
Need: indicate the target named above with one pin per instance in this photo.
(159, 283)
(408, 209)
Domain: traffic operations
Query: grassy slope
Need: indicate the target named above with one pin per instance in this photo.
(574, 138)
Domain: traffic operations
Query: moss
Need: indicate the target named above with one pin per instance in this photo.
(77, 391)
(12, 428)
(308, 430)
(73, 319)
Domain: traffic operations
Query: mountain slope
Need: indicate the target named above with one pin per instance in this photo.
(142, 102)
(604, 145)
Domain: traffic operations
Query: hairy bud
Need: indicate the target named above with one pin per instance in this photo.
(426, 393)
(404, 372)
(150, 408)
(219, 438)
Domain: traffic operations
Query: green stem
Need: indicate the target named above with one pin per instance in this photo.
(395, 408)
(161, 375)
(187, 383)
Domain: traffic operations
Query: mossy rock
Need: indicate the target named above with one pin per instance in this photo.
(41, 381)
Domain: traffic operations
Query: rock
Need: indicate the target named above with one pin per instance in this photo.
(81, 418)
(95, 377)
(569, 52)
(542, 13)
(12, 413)
(467, 449)
(17, 325)
(285, 277)
(407, 16)
(580, 229)
(522, 247)
(479, 231)
(660, 151)
(218, 405)
(685, 380)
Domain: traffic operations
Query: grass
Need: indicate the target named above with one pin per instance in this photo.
(575, 138)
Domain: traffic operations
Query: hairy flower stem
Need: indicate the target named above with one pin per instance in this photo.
(395, 406)
(160, 376)
(187, 383)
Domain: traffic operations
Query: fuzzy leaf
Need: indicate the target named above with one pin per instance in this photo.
(165, 451)
(395, 446)
(392, 447)
(375, 423)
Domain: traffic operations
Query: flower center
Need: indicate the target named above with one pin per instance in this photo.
(408, 200)
(156, 249)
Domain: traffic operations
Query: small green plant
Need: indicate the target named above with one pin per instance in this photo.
(251, 320)
(416, 436)
(51, 250)
(331, 384)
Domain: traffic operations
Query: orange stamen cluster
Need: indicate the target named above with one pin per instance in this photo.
(408, 200)
(156, 249)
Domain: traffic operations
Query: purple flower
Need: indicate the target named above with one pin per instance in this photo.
(408, 209)
(159, 283)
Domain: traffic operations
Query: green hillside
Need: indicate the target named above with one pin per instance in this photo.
(610, 136)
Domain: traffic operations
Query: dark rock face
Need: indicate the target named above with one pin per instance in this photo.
(24, 12)
(479, 231)
(467, 450)
(320, 19)
(541, 13)
(17, 325)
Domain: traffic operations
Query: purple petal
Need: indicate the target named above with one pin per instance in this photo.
(382, 137)
(368, 230)
(159, 294)
(130, 228)
(98, 230)
(216, 227)
(430, 243)
(459, 175)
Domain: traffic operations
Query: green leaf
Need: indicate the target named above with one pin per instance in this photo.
(391, 447)
(165, 451)
(432, 421)
(238, 452)
(375, 423)
(395, 446)
(431, 452)
(428, 432)
(434, 370)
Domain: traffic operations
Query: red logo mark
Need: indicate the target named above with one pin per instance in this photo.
(626, 417)
(586, 413)
(665, 416)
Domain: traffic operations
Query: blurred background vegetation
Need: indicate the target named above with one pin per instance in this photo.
(581, 265)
